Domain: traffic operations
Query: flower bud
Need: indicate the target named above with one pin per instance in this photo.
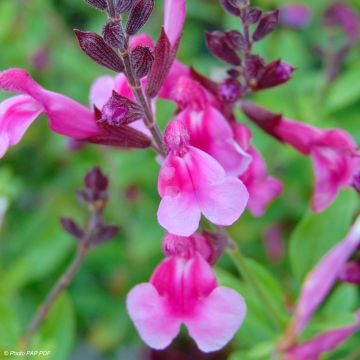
(267, 25)
(176, 136)
(295, 15)
(230, 90)
(351, 272)
(275, 73)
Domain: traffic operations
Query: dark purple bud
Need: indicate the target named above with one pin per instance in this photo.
(105, 233)
(124, 6)
(351, 272)
(265, 119)
(94, 46)
(142, 59)
(340, 14)
(295, 15)
(217, 42)
(113, 34)
(163, 57)
(275, 73)
(230, 8)
(356, 182)
(234, 73)
(71, 227)
(98, 4)
(84, 196)
(230, 90)
(254, 67)
(236, 40)
(267, 25)
(253, 15)
(139, 15)
(120, 110)
(96, 181)
(122, 136)
(239, 4)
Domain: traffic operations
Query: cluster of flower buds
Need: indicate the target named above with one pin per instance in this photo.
(95, 195)
(249, 72)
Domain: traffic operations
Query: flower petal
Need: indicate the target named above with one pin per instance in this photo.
(101, 91)
(174, 18)
(179, 214)
(66, 116)
(148, 311)
(218, 318)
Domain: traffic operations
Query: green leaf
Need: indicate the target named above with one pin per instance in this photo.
(9, 326)
(315, 234)
(344, 91)
(262, 351)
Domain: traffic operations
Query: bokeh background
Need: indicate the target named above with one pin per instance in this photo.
(39, 177)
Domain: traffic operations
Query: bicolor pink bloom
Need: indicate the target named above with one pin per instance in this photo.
(185, 291)
(322, 278)
(66, 116)
(334, 152)
(192, 183)
(207, 127)
(327, 341)
(262, 187)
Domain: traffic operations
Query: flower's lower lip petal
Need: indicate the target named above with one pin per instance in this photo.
(147, 309)
(218, 319)
(223, 203)
(179, 214)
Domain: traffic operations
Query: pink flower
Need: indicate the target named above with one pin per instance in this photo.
(327, 341)
(66, 116)
(262, 187)
(321, 279)
(192, 183)
(207, 127)
(174, 19)
(334, 152)
(185, 290)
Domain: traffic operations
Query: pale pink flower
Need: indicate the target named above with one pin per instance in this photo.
(66, 116)
(327, 341)
(334, 152)
(322, 278)
(185, 291)
(174, 19)
(192, 183)
(262, 187)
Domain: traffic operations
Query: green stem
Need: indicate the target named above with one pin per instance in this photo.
(240, 263)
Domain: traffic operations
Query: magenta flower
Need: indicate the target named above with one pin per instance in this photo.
(185, 290)
(207, 127)
(327, 341)
(295, 15)
(334, 152)
(192, 183)
(321, 279)
(262, 187)
(17, 113)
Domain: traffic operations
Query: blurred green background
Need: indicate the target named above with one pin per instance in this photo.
(39, 177)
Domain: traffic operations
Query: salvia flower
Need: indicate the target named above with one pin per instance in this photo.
(184, 290)
(334, 152)
(17, 113)
(192, 183)
(321, 279)
(326, 341)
